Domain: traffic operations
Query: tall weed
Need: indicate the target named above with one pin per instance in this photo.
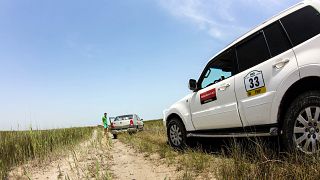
(17, 147)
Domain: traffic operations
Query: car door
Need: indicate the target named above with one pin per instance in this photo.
(214, 105)
(265, 60)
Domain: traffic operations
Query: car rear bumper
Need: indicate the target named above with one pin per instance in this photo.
(118, 131)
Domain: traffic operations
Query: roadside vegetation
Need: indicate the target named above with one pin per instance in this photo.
(17, 147)
(225, 159)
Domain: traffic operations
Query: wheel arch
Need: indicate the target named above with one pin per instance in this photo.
(174, 115)
(299, 87)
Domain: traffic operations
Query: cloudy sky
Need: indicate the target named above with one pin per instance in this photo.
(64, 63)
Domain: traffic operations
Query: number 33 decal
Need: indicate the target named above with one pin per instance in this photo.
(254, 83)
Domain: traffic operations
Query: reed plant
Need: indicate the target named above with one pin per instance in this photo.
(17, 147)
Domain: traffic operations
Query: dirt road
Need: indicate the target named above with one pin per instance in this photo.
(129, 164)
(98, 158)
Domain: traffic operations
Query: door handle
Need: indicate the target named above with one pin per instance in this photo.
(223, 87)
(280, 64)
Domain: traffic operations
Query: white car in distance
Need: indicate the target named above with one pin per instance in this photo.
(266, 83)
(130, 123)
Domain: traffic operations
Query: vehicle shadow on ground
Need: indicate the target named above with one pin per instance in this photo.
(228, 146)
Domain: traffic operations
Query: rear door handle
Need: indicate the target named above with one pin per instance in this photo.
(223, 87)
(280, 64)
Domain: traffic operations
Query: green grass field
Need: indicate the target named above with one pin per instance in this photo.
(17, 147)
(230, 159)
(227, 159)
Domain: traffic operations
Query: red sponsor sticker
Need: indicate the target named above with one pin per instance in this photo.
(208, 96)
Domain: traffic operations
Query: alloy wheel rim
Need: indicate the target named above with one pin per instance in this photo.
(175, 135)
(306, 130)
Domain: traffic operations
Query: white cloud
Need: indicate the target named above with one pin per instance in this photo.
(198, 12)
(220, 19)
(266, 4)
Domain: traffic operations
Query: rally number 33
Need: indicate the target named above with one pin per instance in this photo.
(254, 83)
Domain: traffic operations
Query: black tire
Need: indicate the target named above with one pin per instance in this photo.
(176, 134)
(300, 131)
(115, 136)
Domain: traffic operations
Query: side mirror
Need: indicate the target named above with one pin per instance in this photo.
(192, 84)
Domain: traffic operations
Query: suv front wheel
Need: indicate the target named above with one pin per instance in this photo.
(302, 124)
(176, 134)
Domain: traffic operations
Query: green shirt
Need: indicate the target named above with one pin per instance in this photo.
(104, 120)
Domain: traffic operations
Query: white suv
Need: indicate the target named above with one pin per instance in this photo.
(266, 83)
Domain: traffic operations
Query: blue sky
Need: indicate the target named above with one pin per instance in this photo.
(64, 63)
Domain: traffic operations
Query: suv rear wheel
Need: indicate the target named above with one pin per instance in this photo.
(176, 134)
(302, 124)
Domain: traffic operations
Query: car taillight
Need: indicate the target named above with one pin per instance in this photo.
(131, 122)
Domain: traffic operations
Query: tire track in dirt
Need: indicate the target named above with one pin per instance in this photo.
(88, 160)
(129, 164)
(97, 158)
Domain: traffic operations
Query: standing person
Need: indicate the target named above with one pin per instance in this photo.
(105, 123)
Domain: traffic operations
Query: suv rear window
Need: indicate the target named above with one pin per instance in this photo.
(302, 24)
(126, 117)
(277, 39)
(252, 52)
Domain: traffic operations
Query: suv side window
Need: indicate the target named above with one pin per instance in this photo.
(302, 24)
(277, 39)
(253, 51)
(219, 69)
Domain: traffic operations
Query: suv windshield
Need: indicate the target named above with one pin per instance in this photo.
(125, 117)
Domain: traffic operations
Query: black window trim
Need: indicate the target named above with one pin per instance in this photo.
(286, 35)
(304, 6)
(237, 62)
(285, 31)
(258, 32)
(248, 38)
(265, 40)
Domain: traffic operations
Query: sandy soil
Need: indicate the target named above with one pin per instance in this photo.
(87, 160)
(129, 164)
(97, 158)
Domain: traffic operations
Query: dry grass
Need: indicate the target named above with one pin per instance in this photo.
(91, 159)
(228, 159)
(257, 161)
(17, 147)
(99, 168)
